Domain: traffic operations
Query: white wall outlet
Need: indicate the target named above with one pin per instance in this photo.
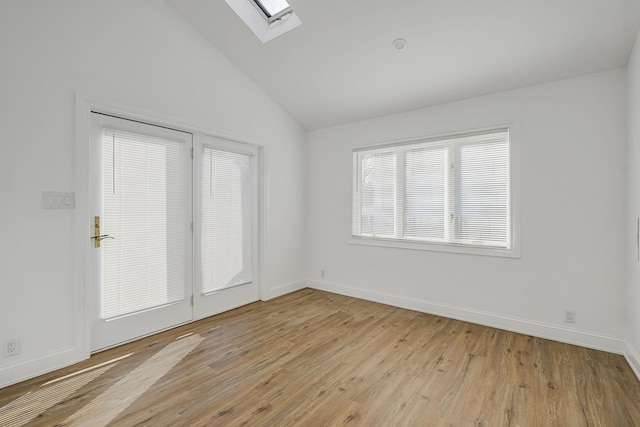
(11, 347)
(570, 316)
(322, 274)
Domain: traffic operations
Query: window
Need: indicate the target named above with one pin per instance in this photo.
(273, 9)
(144, 186)
(267, 19)
(444, 192)
(226, 220)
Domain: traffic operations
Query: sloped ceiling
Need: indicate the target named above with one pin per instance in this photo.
(339, 66)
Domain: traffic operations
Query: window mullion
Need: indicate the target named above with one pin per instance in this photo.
(450, 223)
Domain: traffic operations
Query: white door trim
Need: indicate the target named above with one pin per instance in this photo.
(82, 215)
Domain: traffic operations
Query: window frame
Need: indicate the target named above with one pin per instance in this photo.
(513, 251)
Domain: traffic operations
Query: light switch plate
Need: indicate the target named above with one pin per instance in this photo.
(58, 200)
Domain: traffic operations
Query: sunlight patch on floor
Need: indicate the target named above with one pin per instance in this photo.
(25, 408)
(106, 407)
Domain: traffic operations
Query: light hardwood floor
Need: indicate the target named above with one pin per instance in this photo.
(312, 358)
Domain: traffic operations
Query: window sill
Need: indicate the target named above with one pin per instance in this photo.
(435, 247)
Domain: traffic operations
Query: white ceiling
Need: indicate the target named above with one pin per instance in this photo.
(339, 66)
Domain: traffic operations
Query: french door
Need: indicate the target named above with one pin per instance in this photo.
(174, 228)
(141, 202)
(226, 225)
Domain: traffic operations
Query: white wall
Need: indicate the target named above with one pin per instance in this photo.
(572, 138)
(633, 294)
(135, 53)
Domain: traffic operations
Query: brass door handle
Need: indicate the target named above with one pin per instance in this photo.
(97, 237)
(101, 238)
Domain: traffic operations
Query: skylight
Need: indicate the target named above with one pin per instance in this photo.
(273, 9)
(268, 19)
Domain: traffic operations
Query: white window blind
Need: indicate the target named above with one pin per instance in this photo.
(226, 220)
(452, 190)
(425, 195)
(378, 194)
(482, 177)
(145, 211)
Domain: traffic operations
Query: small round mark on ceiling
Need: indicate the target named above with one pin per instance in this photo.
(399, 44)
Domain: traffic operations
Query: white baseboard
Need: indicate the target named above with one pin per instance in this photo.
(283, 290)
(523, 326)
(33, 368)
(633, 357)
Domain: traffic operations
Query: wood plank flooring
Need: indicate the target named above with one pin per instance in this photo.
(312, 358)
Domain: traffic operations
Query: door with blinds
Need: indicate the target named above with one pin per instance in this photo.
(226, 225)
(141, 211)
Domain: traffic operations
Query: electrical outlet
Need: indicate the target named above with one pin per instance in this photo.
(322, 274)
(11, 347)
(570, 316)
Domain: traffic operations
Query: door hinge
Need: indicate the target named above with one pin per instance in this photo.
(192, 300)
(191, 226)
(192, 152)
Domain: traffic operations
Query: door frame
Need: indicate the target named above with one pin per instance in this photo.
(82, 227)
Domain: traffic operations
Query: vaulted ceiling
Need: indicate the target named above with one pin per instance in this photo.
(340, 66)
